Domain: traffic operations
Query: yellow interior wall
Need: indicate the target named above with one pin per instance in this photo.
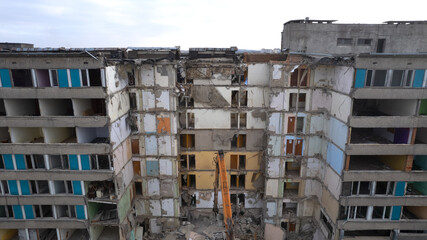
(205, 159)
(6, 234)
(205, 180)
(395, 162)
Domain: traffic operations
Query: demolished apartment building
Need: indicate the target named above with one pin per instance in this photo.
(325, 140)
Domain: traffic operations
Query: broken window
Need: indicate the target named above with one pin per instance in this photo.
(4, 187)
(360, 188)
(381, 212)
(42, 76)
(187, 140)
(186, 120)
(6, 211)
(327, 223)
(242, 162)
(379, 78)
(297, 102)
(138, 188)
(185, 100)
(65, 211)
(58, 162)
(237, 181)
(53, 73)
(235, 98)
(344, 41)
(239, 77)
(35, 162)
(243, 98)
(22, 78)
(384, 188)
(188, 162)
(39, 187)
(376, 78)
(300, 124)
(190, 120)
(239, 98)
(237, 162)
(131, 78)
(191, 161)
(188, 180)
(238, 141)
(95, 78)
(2, 108)
(184, 162)
(238, 120)
(63, 187)
(43, 211)
(364, 41)
(85, 75)
(356, 212)
(299, 77)
(100, 162)
(132, 101)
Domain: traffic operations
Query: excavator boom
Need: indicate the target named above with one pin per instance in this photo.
(225, 190)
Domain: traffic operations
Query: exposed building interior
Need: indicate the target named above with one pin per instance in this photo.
(322, 139)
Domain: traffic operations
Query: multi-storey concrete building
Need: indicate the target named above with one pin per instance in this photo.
(66, 168)
(371, 171)
(324, 140)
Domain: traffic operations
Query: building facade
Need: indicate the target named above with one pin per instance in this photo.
(324, 140)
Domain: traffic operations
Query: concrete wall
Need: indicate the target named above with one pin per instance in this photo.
(322, 38)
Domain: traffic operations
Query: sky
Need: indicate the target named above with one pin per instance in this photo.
(186, 23)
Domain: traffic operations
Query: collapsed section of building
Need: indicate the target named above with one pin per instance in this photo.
(322, 140)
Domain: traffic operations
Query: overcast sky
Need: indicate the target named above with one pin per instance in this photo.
(186, 23)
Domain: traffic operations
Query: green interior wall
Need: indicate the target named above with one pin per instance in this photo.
(423, 107)
(95, 231)
(421, 161)
(124, 205)
(421, 187)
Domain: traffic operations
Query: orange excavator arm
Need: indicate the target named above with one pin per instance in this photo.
(225, 190)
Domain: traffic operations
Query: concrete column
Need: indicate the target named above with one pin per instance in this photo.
(369, 213)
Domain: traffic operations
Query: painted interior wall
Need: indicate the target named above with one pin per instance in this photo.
(56, 107)
(397, 107)
(119, 131)
(116, 78)
(420, 212)
(343, 79)
(25, 135)
(259, 74)
(117, 105)
(422, 135)
(20, 107)
(421, 161)
(86, 135)
(395, 162)
(341, 106)
(121, 155)
(57, 135)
